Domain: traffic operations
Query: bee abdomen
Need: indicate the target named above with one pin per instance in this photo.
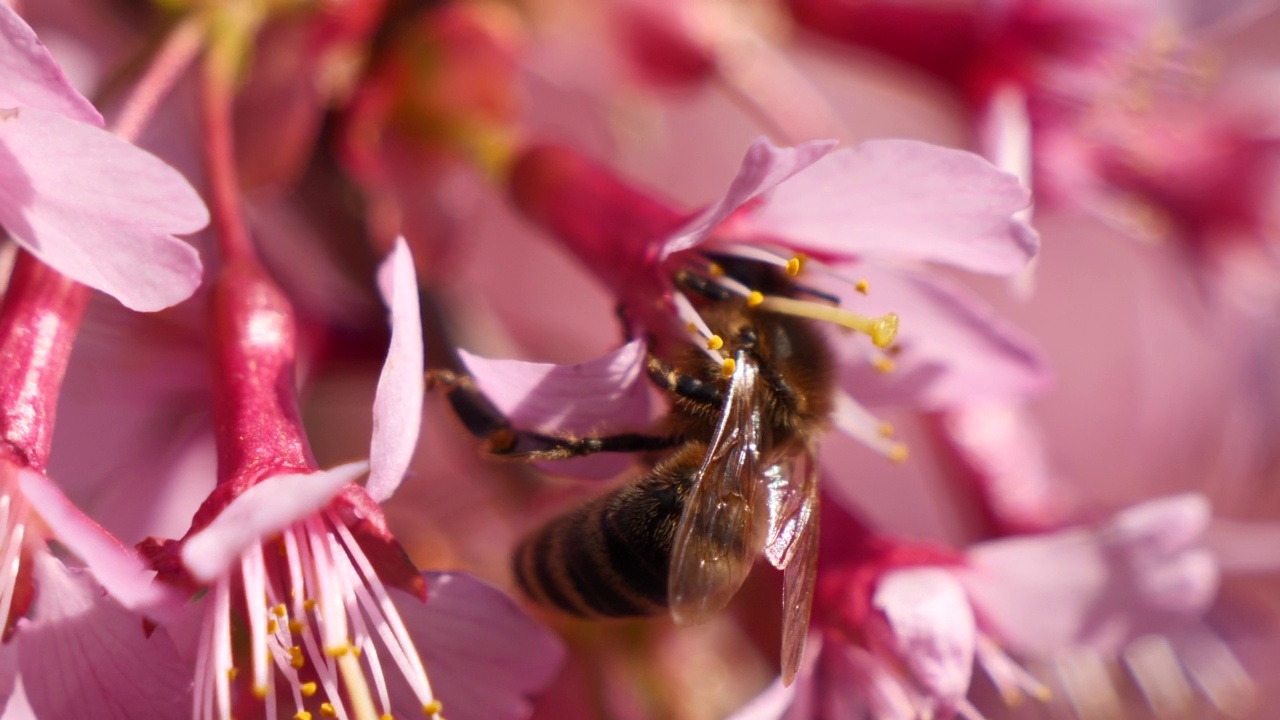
(610, 557)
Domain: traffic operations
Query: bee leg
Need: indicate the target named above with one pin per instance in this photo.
(665, 376)
(706, 287)
(484, 420)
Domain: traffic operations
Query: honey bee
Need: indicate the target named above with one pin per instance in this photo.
(732, 471)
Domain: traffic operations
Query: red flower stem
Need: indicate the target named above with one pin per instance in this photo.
(257, 426)
(39, 319)
(168, 64)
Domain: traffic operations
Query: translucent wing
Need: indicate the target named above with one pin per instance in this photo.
(792, 546)
(724, 524)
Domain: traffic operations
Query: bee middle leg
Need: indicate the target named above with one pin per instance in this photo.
(699, 392)
(484, 420)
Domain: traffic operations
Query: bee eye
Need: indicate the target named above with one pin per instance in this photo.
(747, 338)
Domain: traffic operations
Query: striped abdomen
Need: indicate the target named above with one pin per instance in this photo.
(611, 556)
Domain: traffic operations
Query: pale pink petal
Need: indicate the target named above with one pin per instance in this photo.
(32, 78)
(904, 200)
(1144, 572)
(260, 512)
(397, 405)
(97, 209)
(607, 394)
(763, 169)
(484, 656)
(951, 349)
(82, 655)
(115, 566)
(933, 625)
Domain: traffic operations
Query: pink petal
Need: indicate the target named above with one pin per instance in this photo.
(1144, 572)
(83, 655)
(484, 656)
(397, 406)
(98, 209)
(952, 350)
(124, 576)
(607, 394)
(934, 628)
(763, 168)
(32, 78)
(904, 200)
(260, 512)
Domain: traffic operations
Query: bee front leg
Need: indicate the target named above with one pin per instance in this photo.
(484, 420)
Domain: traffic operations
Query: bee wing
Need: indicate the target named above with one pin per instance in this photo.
(723, 526)
(793, 547)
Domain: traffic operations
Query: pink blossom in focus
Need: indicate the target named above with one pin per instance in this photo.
(322, 575)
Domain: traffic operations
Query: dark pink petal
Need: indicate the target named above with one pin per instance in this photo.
(607, 394)
(123, 574)
(904, 200)
(932, 627)
(1146, 571)
(82, 655)
(484, 656)
(763, 169)
(97, 209)
(951, 349)
(397, 405)
(259, 513)
(32, 78)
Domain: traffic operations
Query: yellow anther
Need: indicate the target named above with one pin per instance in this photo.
(355, 650)
(435, 707)
(793, 266)
(755, 299)
(260, 691)
(296, 626)
(296, 658)
(327, 710)
(386, 716)
(302, 715)
(309, 604)
(715, 269)
(898, 453)
(232, 672)
(885, 429)
(884, 330)
(728, 367)
(338, 651)
(309, 688)
(884, 365)
(862, 286)
(715, 342)
(272, 626)
(280, 610)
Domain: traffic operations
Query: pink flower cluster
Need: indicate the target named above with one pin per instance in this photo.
(1039, 239)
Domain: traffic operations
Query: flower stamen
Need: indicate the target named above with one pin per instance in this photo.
(882, 330)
